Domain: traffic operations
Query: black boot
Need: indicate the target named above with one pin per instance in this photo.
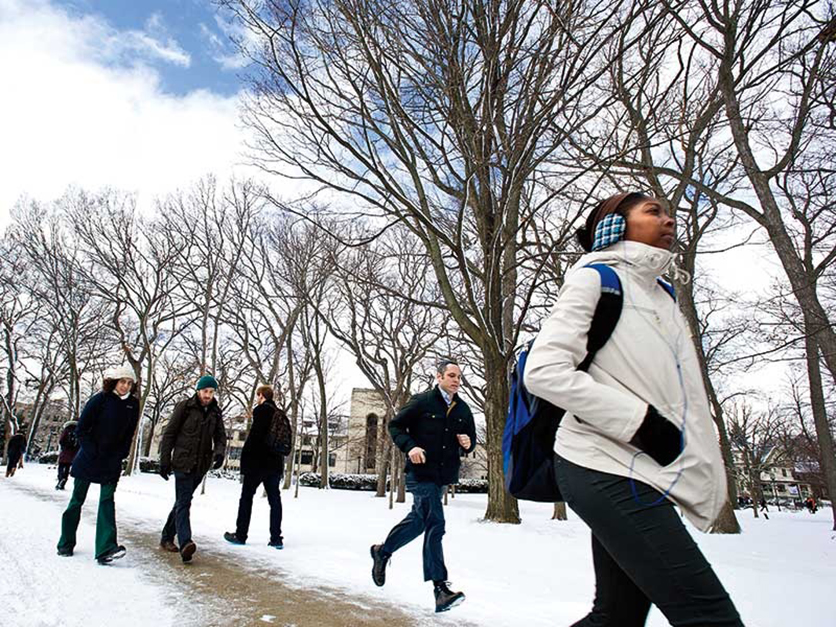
(117, 552)
(446, 598)
(379, 567)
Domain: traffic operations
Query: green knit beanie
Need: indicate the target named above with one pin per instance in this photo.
(206, 381)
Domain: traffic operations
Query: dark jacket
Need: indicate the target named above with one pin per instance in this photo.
(67, 443)
(105, 431)
(17, 444)
(193, 437)
(256, 457)
(426, 421)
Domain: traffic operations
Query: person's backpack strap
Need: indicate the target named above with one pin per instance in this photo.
(667, 287)
(606, 313)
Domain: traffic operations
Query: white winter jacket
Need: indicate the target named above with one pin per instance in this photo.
(648, 360)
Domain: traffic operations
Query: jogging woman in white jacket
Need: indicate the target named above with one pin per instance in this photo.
(637, 435)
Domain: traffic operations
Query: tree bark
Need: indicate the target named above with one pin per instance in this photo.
(823, 434)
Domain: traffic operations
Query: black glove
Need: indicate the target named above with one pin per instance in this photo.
(165, 471)
(658, 437)
(219, 461)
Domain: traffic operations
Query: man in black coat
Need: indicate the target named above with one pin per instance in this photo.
(260, 465)
(435, 428)
(193, 441)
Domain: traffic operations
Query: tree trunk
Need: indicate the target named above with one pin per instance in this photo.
(384, 456)
(560, 511)
(727, 520)
(827, 459)
(502, 507)
(400, 465)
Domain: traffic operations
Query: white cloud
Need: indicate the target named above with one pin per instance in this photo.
(72, 115)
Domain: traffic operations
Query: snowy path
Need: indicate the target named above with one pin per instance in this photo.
(779, 572)
(148, 586)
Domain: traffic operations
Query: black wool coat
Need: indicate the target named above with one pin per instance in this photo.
(256, 457)
(426, 421)
(193, 436)
(105, 431)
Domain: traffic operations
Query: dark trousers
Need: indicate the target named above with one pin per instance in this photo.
(252, 480)
(63, 474)
(642, 554)
(11, 466)
(105, 521)
(427, 517)
(185, 483)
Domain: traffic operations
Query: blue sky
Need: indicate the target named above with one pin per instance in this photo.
(192, 28)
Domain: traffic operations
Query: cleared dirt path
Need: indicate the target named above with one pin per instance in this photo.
(216, 591)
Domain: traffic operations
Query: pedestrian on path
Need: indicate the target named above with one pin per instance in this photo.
(105, 431)
(260, 464)
(14, 453)
(637, 436)
(435, 428)
(68, 443)
(193, 442)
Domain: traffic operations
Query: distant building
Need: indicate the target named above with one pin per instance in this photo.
(52, 420)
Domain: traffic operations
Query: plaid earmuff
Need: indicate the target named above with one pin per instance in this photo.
(609, 231)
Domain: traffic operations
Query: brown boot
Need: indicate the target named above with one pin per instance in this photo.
(168, 545)
(187, 551)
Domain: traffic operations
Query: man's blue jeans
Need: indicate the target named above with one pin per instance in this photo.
(185, 483)
(427, 517)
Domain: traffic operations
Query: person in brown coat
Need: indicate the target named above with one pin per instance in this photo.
(193, 442)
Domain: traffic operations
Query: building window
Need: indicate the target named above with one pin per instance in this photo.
(371, 441)
(307, 458)
(332, 459)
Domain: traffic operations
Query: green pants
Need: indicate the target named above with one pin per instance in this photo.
(105, 522)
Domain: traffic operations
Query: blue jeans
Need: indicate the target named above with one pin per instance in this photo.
(427, 517)
(642, 554)
(271, 482)
(185, 483)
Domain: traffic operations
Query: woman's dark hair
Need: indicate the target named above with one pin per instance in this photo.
(110, 384)
(619, 203)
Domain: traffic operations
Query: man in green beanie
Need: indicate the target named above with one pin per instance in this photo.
(193, 441)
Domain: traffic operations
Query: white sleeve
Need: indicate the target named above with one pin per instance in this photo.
(551, 370)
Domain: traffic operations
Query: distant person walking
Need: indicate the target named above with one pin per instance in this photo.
(105, 431)
(435, 428)
(69, 445)
(261, 465)
(14, 453)
(193, 442)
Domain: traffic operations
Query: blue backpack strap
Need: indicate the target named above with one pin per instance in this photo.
(607, 312)
(667, 287)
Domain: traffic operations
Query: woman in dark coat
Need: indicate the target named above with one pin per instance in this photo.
(105, 430)
(68, 442)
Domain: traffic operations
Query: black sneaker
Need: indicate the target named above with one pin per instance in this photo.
(379, 567)
(233, 538)
(276, 545)
(117, 552)
(187, 551)
(65, 552)
(446, 598)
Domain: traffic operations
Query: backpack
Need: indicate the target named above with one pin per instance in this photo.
(532, 422)
(280, 435)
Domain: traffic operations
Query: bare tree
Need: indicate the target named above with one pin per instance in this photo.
(435, 115)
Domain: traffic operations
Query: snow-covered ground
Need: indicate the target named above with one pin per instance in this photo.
(779, 572)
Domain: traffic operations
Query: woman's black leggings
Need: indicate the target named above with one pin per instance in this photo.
(642, 554)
